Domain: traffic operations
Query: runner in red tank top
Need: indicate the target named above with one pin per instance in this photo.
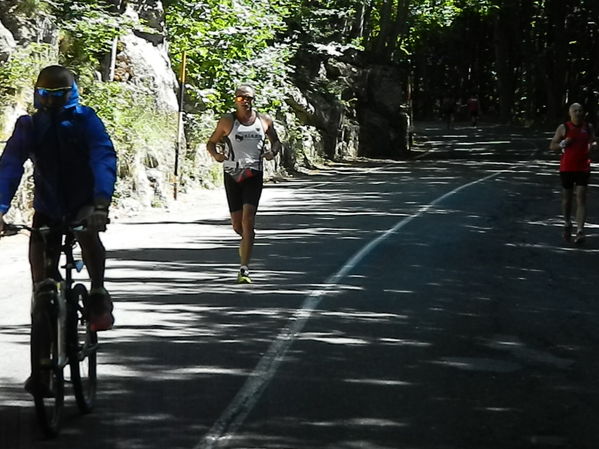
(574, 140)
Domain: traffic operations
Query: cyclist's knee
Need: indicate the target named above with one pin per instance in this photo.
(89, 240)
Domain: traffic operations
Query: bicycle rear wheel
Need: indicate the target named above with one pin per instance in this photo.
(83, 345)
(47, 380)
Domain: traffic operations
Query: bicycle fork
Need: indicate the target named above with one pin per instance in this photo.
(50, 294)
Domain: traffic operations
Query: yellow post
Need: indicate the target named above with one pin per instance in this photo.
(179, 121)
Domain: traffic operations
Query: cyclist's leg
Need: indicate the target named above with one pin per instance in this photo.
(94, 256)
(100, 304)
(43, 249)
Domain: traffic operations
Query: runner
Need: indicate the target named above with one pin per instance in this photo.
(473, 108)
(244, 133)
(574, 140)
(448, 106)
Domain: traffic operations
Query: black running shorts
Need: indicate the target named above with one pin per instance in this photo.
(244, 192)
(569, 178)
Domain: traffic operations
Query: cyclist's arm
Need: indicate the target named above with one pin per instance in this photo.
(102, 158)
(11, 162)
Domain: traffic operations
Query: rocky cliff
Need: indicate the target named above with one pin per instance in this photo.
(137, 69)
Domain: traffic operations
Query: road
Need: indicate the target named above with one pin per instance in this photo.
(422, 304)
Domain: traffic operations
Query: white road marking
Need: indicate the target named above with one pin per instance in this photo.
(234, 415)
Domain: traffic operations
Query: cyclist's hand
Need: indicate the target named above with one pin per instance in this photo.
(219, 157)
(97, 220)
(269, 155)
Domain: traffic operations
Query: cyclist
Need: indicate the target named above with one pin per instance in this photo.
(74, 172)
(574, 140)
(244, 133)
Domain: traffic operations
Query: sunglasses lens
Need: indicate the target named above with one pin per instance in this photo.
(243, 97)
(58, 93)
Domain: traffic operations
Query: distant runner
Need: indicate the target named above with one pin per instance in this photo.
(474, 109)
(574, 140)
(244, 133)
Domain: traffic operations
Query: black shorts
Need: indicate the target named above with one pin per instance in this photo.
(569, 178)
(244, 192)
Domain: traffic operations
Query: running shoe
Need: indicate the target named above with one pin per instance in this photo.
(580, 237)
(568, 232)
(100, 310)
(243, 277)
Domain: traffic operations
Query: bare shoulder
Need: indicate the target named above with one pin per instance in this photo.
(266, 119)
(561, 130)
(226, 119)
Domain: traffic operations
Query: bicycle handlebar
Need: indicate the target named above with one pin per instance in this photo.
(14, 228)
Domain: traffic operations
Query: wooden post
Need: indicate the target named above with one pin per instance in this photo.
(179, 122)
(113, 51)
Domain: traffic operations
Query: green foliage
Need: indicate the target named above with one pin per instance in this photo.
(18, 74)
(31, 7)
(229, 43)
(88, 29)
(132, 120)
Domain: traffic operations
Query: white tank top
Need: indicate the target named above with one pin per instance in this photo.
(245, 144)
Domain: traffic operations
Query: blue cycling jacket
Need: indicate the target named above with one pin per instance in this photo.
(74, 162)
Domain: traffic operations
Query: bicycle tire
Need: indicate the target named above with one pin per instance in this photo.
(47, 379)
(82, 347)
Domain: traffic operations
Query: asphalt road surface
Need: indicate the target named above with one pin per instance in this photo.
(422, 304)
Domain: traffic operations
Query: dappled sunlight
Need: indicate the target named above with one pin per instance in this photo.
(422, 333)
(331, 339)
(478, 364)
(380, 382)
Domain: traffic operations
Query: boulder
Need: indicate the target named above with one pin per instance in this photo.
(147, 65)
(7, 43)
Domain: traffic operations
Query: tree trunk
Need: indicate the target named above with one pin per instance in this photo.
(505, 71)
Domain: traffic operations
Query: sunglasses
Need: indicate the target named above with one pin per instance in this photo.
(240, 98)
(57, 92)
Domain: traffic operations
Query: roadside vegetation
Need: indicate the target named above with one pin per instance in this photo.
(525, 59)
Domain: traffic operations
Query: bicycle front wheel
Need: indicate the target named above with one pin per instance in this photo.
(83, 345)
(47, 380)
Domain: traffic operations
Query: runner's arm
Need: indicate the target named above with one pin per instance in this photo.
(592, 137)
(273, 137)
(559, 135)
(223, 128)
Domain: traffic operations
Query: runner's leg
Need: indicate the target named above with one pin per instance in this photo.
(581, 207)
(567, 205)
(248, 234)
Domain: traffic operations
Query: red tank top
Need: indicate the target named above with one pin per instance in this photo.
(576, 154)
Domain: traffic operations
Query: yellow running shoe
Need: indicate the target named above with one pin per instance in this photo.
(243, 277)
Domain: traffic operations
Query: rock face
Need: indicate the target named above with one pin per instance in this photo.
(7, 43)
(143, 56)
(141, 62)
(357, 109)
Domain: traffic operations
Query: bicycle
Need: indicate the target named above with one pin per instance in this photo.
(60, 334)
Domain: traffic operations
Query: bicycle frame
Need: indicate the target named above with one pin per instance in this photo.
(60, 334)
(68, 242)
